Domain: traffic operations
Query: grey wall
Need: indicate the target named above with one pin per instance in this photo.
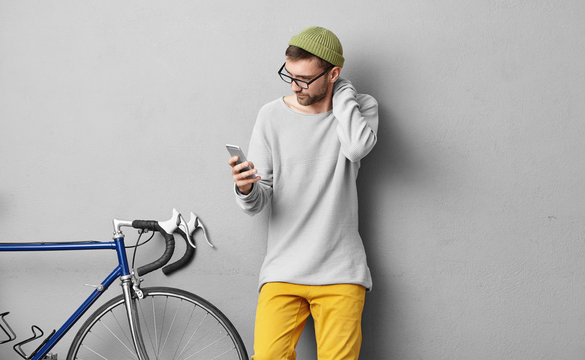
(471, 204)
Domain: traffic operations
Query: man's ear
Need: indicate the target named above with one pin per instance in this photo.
(334, 73)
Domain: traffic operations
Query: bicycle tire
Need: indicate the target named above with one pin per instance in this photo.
(175, 324)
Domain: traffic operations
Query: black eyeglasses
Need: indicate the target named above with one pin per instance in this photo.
(300, 83)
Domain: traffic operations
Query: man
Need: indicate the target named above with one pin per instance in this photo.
(306, 149)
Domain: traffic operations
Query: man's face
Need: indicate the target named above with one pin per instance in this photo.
(307, 70)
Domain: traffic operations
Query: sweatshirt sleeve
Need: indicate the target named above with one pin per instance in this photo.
(357, 116)
(259, 154)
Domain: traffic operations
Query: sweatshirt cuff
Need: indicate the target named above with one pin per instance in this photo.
(243, 196)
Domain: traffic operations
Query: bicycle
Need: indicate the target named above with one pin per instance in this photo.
(140, 323)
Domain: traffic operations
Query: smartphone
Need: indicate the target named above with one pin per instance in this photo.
(235, 150)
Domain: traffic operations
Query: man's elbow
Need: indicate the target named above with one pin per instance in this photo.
(356, 152)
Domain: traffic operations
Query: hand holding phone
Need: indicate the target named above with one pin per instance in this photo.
(245, 177)
(235, 150)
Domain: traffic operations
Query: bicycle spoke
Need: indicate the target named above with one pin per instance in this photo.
(90, 349)
(122, 328)
(204, 348)
(117, 338)
(145, 326)
(112, 338)
(100, 355)
(227, 352)
(170, 329)
(192, 335)
(183, 333)
(154, 327)
(162, 326)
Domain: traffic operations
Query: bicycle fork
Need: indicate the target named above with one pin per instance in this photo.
(132, 311)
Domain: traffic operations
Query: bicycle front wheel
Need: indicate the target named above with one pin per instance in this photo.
(175, 324)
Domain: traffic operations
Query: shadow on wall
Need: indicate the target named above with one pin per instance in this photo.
(389, 160)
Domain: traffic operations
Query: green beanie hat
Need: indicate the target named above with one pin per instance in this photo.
(321, 43)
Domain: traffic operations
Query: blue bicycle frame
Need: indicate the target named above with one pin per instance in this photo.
(121, 270)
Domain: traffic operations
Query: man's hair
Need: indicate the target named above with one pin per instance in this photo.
(296, 53)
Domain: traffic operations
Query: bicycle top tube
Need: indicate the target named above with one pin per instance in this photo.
(58, 246)
(165, 228)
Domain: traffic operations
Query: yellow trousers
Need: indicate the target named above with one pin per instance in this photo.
(283, 310)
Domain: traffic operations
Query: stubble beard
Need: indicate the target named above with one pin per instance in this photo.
(308, 100)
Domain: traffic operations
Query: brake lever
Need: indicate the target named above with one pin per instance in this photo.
(183, 225)
(194, 224)
(191, 226)
(173, 223)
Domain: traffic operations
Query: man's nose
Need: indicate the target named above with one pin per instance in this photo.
(295, 87)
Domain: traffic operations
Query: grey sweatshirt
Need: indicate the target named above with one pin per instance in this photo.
(309, 165)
